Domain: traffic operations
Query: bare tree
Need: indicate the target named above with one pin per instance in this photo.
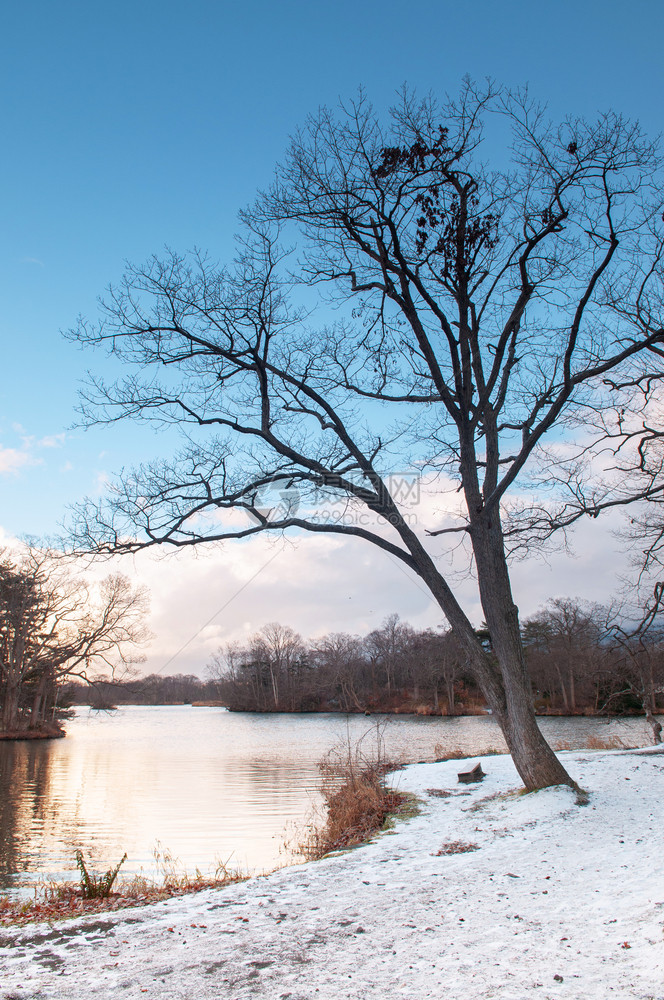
(24, 629)
(563, 648)
(442, 662)
(270, 673)
(281, 650)
(54, 625)
(479, 315)
(636, 657)
(386, 647)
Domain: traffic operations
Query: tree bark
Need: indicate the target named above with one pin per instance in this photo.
(655, 725)
(39, 702)
(504, 679)
(449, 684)
(534, 759)
(10, 717)
(563, 689)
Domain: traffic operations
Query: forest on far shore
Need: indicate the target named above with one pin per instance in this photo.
(577, 665)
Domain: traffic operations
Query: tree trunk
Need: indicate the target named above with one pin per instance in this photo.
(655, 725)
(10, 718)
(275, 689)
(648, 700)
(350, 696)
(534, 759)
(449, 684)
(504, 682)
(563, 689)
(35, 714)
(39, 702)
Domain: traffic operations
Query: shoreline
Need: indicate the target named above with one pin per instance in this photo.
(401, 710)
(487, 893)
(43, 733)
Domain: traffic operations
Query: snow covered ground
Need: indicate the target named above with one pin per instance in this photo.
(556, 901)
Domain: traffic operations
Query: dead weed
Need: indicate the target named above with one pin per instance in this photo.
(455, 847)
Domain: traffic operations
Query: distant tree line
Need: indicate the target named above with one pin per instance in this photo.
(581, 660)
(394, 667)
(177, 689)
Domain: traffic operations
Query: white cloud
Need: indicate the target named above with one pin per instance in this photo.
(8, 541)
(317, 585)
(205, 598)
(52, 440)
(101, 482)
(13, 459)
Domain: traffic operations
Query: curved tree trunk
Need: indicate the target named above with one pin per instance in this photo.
(503, 676)
(535, 761)
(563, 689)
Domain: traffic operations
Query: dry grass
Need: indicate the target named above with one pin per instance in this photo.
(592, 743)
(472, 706)
(59, 900)
(445, 793)
(612, 742)
(605, 743)
(356, 799)
(456, 847)
(441, 753)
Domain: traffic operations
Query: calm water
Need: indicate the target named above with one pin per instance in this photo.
(206, 784)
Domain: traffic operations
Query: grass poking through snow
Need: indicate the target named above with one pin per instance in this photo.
(59, 900)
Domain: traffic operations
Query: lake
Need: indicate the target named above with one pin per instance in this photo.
(204, 784)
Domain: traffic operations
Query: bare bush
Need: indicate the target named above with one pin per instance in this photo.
(356, 798)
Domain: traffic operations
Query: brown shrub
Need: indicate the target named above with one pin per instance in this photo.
(441, 753)
(606, 743)
(612, 742)
(355, 797)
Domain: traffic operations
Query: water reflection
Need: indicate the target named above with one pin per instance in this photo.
(23, 801)
(207, 784)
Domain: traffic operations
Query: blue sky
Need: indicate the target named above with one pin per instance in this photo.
(129, 126)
